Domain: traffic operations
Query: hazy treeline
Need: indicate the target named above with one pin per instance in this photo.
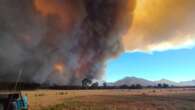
(33, 86)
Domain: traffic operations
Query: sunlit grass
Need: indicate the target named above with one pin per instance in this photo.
(101, 102)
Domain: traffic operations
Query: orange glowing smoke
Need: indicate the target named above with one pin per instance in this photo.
(59, 68)
(158, 23)
(64, 10)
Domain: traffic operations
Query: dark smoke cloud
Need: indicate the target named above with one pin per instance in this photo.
(60, 41)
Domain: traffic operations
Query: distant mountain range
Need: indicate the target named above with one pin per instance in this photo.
(134, 80)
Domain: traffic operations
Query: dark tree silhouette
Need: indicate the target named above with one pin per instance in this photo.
(95, 85)
(159, 85)
(165, 85)
(124, 86)
(86, 82)
(138, 86)
(133, 86)
(104, 84)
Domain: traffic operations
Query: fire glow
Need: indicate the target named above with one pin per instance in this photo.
(83, 33)
(59, 68)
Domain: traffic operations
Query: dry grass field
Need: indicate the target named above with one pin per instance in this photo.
(145, 99)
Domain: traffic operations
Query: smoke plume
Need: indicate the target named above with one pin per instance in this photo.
(60, 41)
(161, 25)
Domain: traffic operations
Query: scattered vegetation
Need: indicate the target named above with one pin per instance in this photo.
(101, 102)
(163, 85)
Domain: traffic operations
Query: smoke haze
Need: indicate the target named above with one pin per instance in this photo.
(161, 25)
(60, 41)
(63, 41)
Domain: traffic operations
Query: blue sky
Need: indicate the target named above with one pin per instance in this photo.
(176, 65)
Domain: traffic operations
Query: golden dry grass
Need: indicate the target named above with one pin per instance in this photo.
(146, 99)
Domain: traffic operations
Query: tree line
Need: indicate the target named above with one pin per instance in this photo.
(85, 84)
